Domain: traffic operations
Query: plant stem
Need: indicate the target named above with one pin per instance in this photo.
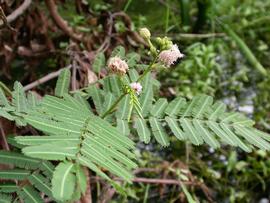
(6, 89)
(245, 49)
(147, 70)
(113, 106)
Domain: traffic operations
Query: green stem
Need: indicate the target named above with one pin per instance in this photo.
(113, 105)
(5, 88)
(245, 49)
(147, 70)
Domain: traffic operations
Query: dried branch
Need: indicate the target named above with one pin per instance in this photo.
(87, 197)
(44, 79)
(60, 22)
(18, 11)
(3, 138)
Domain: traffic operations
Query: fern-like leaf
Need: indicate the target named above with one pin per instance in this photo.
(202, 121)
(62, 84)
(63, 182)
(73, 132)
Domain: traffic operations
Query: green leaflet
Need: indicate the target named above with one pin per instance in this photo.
(32, 100)
(62, 84)
(122, 126)
(159, 107)
(96, 95)
(5, 198)
(57, 150)
(217, 109)
(19, 98)
(38, 140)
(237, 140)
(41, 183)
(99, 62)
(145, 101)
(252, 137)
(6, 115)
(202, 104)
(63, 182)
(118, 51)
(142, 130)
(219, 132)
(159, 131)
(174, 106)
(191, 132)
(115, 85)
(133, 75)
(85, 161)
(81, 178)
(172, 123)
(29, 194)
(83, 103)
(100, 157)
(123, 108)
(52, 127)
(132, 59)
(18, 160)
(202, 121)
(208, 137)
(3, 100)
(8, 187)
(18, 174)
(111, 152)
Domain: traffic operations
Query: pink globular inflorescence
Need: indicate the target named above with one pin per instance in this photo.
(168, 57)
(137, 87)
(117, 65)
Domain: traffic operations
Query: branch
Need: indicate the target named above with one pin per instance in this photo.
(155, 181)
(60, 22)
(44, 79)
(3, 136)
(19, 11)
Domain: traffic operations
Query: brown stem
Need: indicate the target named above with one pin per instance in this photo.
(44, 79)
(17, 12)
(87, 197)
(3, 137)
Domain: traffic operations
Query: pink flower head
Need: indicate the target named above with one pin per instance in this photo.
(137, 87)
(168, 57)
(117, 65)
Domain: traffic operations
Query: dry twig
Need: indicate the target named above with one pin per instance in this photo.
(3, 138)
(44, 79)
(18, 11)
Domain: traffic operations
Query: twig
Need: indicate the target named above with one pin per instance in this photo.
(60, 22)
(19, 11)
(44, 79)
(194, 36)
(107, 40)
(156, 181)
(4, 20)
(3, 136)
(162, 181)
(74, 75)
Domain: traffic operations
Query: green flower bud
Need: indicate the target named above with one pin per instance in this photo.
(145, 33)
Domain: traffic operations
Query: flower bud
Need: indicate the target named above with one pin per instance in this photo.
(137, 87)
(145, 33)
(117, 65)
(168, 57)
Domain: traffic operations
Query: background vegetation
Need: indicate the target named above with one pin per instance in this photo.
(226, 47)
